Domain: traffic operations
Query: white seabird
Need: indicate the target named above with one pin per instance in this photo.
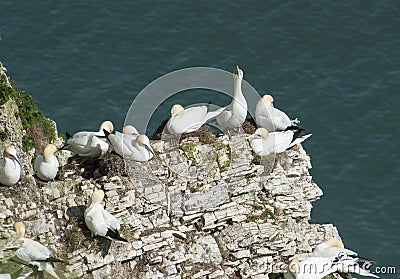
(10, 167)
(189, 120)
(319, 267)
(332, 248)
(121, 142)
(234, 114)
(263, 143)
(271, 118)
(46, 166)
(33, 253)
(5, 276)
(135, 148)
(90, 144)
(99, 221)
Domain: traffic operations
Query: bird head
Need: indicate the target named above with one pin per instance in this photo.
(19, 228)
(49, 151)
(107, 125)
(176, 109)
(97, 196)
(238, 73)
(129, 130)
(11, 152)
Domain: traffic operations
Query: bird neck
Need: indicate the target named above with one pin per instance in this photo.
(47, 157)
(237, 87)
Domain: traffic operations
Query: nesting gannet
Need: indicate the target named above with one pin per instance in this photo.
(10, 167)
(90, 144)
(121, 142)
(264, 143)
(46, 166)
(271, 118)
(5, 276)
(332, 248)
(234, 114)
(133, 148)
(319, 267)
(99, 221)
(335, 248)
(189, 120)
(33, 253)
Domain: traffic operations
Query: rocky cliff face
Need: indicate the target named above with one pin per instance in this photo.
(196, 210)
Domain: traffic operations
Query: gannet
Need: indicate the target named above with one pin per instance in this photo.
(271, 118)
(264, 143)
(190, 119)
(335, 248)
(121, 142)
(137, 148)
(90, 144)
(10, 167)
(99, 221)
(33, 253)
(234, 114)
(319, 267)
(332, 248)
(5, 276)
(46, 166)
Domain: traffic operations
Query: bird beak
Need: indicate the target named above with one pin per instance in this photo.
(253, 136)
(149, 149)
(236, 72)
(16, 159)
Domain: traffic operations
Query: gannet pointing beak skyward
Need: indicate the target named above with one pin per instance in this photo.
(190, 119)
(10, 167)
(33, 253)
(99, 221)
(46, 166)
(234, 114)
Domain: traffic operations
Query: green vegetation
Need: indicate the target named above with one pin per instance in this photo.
(269, 214)
(40, 130)
(3, 135)
(252, 218)
(27, 143)
(257, 207)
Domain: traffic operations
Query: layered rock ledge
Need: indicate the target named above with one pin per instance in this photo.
(196, 210)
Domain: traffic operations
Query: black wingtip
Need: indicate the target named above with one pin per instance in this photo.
(68, 135)
(294, 128)
(115, 235)
(52, 260)
(106, 133)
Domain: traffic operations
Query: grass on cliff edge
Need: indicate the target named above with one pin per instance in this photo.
(39, 129)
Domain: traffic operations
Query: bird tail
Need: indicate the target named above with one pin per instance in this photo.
(299, 139)
(115, 235)
(212, 114)
(49, 269)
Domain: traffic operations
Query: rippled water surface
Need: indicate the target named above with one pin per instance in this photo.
(335, 66)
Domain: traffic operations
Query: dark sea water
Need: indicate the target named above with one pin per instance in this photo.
(333, 64)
